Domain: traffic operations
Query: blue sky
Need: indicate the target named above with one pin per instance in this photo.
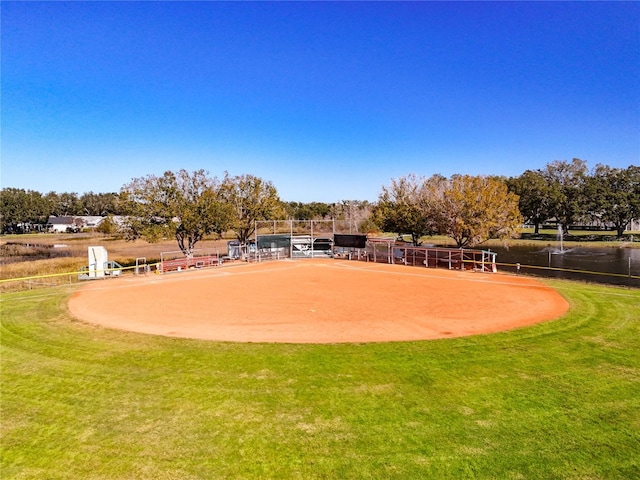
(327, 100)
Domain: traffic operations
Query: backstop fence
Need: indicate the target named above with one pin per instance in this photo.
(281, 239)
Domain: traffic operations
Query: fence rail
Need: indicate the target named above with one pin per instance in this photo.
(68, 278)
(63, 278)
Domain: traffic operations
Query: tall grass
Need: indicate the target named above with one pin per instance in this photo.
(72, 251)
(556, 400)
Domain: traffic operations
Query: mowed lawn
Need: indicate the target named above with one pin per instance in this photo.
(557, 400)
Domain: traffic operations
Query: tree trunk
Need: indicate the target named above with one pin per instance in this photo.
(187, 249)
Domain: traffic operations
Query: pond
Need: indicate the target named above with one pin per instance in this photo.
(611, 265)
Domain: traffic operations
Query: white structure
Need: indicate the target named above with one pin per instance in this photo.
(74, 223)
(98, 262)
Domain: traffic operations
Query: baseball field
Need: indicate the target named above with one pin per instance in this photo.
(321, 370)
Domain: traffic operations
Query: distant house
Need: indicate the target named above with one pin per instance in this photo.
(67, 224)
(62, 224)
(91, 221)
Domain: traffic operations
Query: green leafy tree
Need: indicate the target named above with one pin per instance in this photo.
(64, 204)
(319, 210)
(108, 226)
(567, 190)
(295, 210)
(100, 203)
(474, 209)
(613, 195)
(535, 196)
(187, 206)
(306, 211)
(250, 199)
(20, 209)
(401, 208)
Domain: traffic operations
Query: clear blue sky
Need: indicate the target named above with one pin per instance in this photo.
(329, 101)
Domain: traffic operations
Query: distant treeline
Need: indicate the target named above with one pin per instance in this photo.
(566, 193)
(27, 210)
(570, 194)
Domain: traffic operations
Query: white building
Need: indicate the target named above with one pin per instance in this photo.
(68, 224)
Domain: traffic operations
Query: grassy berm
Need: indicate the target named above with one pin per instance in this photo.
(559, 400)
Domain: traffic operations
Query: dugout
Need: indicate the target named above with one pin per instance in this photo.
(273, 246)
(349, 245)
(279, 239)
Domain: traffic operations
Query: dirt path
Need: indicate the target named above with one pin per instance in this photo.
(317, 301)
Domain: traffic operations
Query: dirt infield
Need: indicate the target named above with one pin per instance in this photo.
(317, 301)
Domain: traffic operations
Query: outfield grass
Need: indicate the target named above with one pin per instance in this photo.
(557, 400)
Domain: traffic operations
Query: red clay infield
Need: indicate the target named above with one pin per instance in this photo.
(317, 301)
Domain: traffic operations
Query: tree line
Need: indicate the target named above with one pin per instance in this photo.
(24, 210)
(569, 193)
(183, 205)
(469, 209)
(472, 210)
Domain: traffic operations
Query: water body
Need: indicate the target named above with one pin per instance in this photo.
(621, 262)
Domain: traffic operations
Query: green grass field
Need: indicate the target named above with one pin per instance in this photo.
(557, 400)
